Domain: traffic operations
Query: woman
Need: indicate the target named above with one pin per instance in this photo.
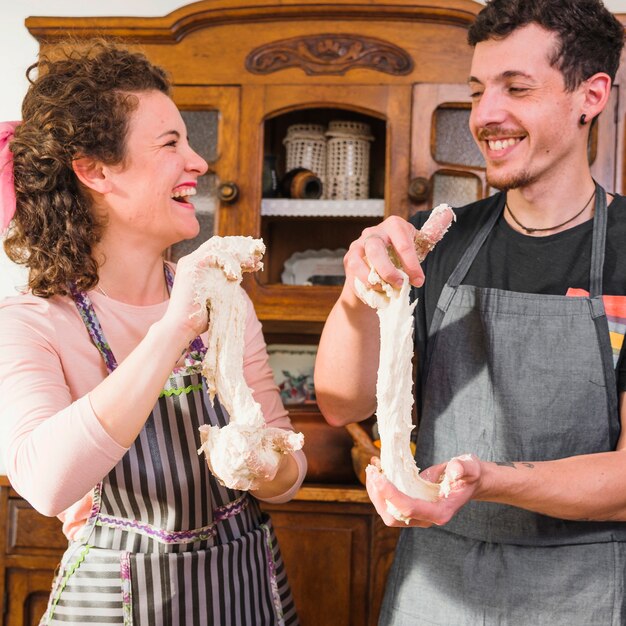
(100, 409)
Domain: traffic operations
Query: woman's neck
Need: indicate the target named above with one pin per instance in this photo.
(135, 281)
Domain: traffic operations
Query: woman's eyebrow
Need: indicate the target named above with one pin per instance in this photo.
(169, 132)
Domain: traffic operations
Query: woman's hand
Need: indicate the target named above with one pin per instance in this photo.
(185, 311)
(188, 300)
(464, 476)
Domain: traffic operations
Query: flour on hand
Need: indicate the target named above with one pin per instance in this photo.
(394, 387)
(246, 451)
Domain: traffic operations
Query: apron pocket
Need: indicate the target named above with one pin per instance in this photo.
(88, 589)
(240, 583)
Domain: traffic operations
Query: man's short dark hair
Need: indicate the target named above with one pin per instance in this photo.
(591, 38)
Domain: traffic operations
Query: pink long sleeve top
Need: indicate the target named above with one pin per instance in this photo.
(54, 447)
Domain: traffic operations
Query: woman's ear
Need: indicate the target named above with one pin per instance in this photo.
(91, 174)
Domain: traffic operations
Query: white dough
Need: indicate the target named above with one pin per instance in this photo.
(394, 387)
(246, 451)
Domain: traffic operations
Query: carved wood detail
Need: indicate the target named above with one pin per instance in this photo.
(330, 54)
(172, 28)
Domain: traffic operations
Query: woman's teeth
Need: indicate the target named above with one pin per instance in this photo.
(183, 192)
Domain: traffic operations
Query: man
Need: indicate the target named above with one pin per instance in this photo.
(516, 309)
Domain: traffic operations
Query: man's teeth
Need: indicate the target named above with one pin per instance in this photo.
(500, 144)
(183, 192)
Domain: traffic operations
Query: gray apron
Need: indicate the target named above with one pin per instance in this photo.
(514, 377)
(165, 543)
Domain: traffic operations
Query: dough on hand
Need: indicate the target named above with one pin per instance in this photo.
(246, 451)
(394, 387)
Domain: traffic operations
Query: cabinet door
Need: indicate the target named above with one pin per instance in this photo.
(33, 547)
(446, 164)
(211, 115)
(337, 557)
(268, 110)
(27, 596)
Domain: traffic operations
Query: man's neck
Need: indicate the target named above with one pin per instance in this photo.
(543, 205)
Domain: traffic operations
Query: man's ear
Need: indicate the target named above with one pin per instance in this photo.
(597, 91)
(91, 174)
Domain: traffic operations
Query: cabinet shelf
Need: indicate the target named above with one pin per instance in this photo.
(283, 207)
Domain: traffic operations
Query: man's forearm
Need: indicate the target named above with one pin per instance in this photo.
(346, 365)
(585, 488)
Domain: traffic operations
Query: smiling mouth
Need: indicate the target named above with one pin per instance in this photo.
(497, 145)
(182, 194)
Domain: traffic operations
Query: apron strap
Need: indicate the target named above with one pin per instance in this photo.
(460, 271)
(88, 315)
(90, 319)
(596, 304)
(598, 245)
(463, 266)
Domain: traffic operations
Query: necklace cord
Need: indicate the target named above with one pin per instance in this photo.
(530, 231)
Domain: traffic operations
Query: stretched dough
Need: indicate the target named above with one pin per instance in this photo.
(246, 451)
(394, 387)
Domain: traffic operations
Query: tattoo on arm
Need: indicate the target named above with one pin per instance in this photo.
(514, 465)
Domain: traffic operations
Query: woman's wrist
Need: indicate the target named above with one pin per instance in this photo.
(178, 334)
(286, 476)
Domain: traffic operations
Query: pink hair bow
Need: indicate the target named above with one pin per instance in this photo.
(7, 189)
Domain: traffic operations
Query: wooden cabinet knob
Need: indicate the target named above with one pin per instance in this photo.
(228, 192)
(419, 189)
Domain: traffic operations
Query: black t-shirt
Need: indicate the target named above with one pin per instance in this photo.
(512, 261)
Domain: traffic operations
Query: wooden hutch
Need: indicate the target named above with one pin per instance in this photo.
(242, 74)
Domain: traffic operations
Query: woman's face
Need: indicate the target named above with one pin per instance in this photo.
(150, 192)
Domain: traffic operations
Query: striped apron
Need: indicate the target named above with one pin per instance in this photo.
(165, 543)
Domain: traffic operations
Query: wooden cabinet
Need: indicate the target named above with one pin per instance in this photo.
(251, 71)
(243, 73)
(337, 553)
(31, 546)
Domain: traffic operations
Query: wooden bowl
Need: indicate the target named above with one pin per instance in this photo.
(362, 451)
(327, 447)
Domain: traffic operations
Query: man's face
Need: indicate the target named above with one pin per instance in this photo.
(523, 120)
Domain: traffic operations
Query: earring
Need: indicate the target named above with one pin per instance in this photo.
(583, 119)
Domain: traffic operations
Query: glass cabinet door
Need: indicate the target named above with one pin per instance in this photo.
(446, 164)
(211, 115)
(296, 230)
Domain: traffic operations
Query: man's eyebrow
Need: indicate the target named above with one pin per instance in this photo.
(504, 76)
(169, 132)
(515, 74)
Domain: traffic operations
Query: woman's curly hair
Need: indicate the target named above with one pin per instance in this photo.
(78, 105)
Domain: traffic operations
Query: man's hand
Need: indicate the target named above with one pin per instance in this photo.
(374, 243)
(463, 475)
